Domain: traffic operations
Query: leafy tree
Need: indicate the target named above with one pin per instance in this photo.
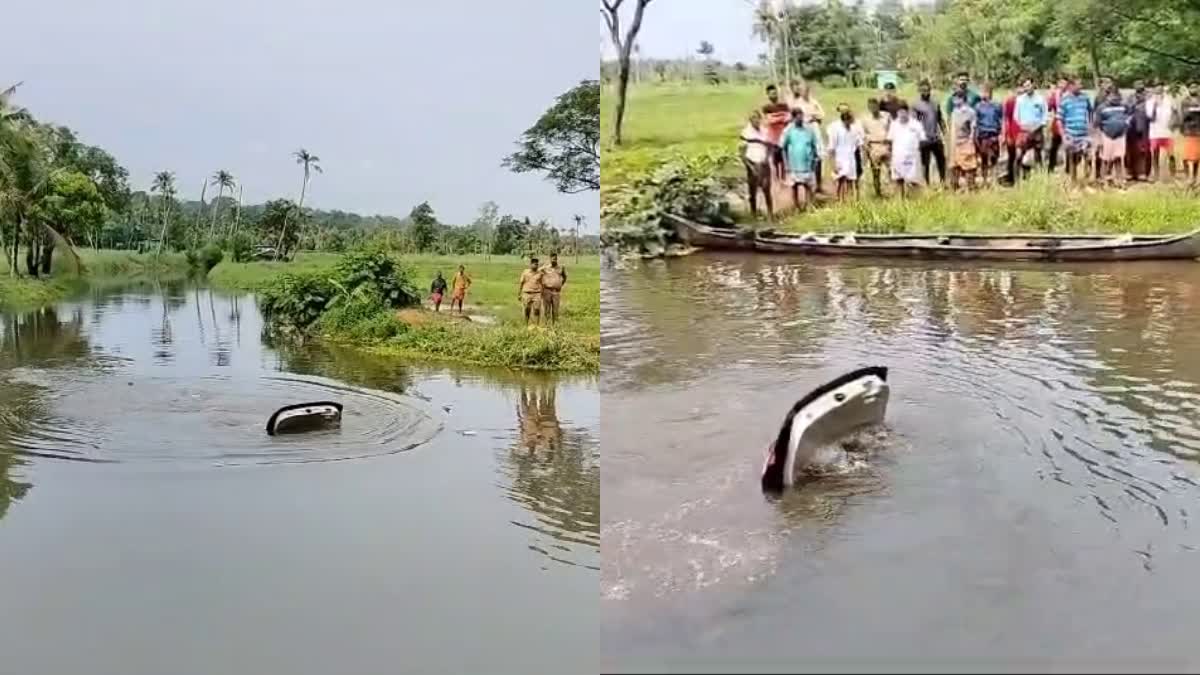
(73, 207)
(273, 223)
(423, 226)
(565, 142)
(164, 185)
(510, 236)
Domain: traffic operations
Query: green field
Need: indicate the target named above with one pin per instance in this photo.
(26, 292)
(671, 120)
(496, 336)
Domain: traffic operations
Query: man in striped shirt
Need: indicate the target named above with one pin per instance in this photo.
(1075, 120)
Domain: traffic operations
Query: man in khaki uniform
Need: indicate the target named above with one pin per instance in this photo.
(529, 291)
(553, 278)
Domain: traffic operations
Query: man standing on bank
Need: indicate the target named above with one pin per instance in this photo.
(529, 291)
(554, 277)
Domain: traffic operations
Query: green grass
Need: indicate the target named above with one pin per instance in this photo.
(26, 292)
(667, 120)
(1041, 204)
(573, 345)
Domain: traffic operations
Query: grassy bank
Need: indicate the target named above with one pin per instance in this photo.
(497, 335)
(26, 292)
(665, 122)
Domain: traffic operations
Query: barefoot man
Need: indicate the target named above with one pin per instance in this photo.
(436, 290)
(529, 291)
(554, 276)
(460, 283)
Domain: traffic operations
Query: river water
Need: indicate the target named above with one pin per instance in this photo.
(149, 525)
(1031, 502)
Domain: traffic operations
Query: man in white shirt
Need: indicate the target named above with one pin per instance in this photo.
(756, 155)
(1161, 109)
(845, 141)
(906, 135)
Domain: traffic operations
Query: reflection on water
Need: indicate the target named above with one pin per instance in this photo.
(172, 373)
(554, 473)
(1055, 409)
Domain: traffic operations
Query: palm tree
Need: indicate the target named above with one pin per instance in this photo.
(222, 179)
(164, 184)
(311, 163)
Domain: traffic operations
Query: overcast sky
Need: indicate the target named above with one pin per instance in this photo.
(404, 101)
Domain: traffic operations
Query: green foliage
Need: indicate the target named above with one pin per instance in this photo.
(239, 246)
(296, 301)
(423, 225)
(564, 143)
(694, 187)
(277, 215)
(374, 273)
(72, 205)
(360, 318)
(206, 258)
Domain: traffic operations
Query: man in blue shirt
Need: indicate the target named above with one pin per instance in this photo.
(1030, 115)
(1075, 119)
(989, 118)
(799, 146)
(1112, 118)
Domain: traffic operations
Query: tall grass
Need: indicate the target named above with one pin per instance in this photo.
(1041, 204)
(26, 292)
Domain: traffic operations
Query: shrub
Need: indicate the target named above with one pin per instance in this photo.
(361, 318)
(206, 258)
(240, 247)
(297, 301)
(374, 273)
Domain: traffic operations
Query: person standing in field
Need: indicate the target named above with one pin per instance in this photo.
(800, 152)
(1189, 127)
(1030, 114)
(929, 114)
(458, 288)
(989, 122)
(529, 291)
(890, 103)
(875, 133)
(905, 135)
(436, 290)
(1056, 133)
(814, 116)
(1104, 86)
(1011, 133)
(964, 160)
(554, 277)
(775, 120)
(1163, 122)
(845, 139)
(756, 153)
(1137, 136)
(1112, 118)
(1075, 119)
(962, 87)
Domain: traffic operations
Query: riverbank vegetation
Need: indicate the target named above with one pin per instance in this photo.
(373, 300)
(25, 292)
(671, 126)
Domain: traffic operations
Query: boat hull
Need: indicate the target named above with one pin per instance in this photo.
(304, 417)
(1035, 248)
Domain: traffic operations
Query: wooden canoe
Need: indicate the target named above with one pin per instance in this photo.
(1028, 247)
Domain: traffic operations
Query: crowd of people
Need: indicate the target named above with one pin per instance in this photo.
(539, 290)
(969, 136)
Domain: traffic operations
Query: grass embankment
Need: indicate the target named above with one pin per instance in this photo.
(27, 292)
(664, 122)
(497, 336)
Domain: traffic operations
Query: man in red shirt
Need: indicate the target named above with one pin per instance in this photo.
(1011, 132)
(1056, 138)
(776, 116)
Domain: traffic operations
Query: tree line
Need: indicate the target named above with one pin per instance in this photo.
(58, 193)
(996, 40)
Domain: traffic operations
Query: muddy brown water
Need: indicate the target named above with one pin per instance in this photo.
(1031, 502)
(149, 525)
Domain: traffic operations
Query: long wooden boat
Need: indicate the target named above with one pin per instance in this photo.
(1028, 247)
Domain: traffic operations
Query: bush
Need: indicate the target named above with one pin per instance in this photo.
(372, 272)
(206, 258)
(297, 301)
(360, 318)
(694, 187)
(240, 247)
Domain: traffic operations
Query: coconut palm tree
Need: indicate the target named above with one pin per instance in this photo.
(311, 163)
(222, 179)
(164, 184)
